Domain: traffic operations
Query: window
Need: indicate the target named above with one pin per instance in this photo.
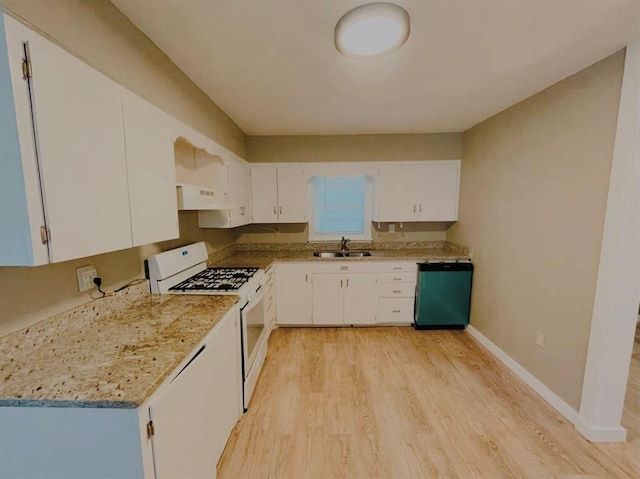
(339, 208)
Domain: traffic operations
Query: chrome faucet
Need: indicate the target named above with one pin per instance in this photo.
(343, 244)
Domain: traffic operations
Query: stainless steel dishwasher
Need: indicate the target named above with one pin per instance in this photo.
(443, 296)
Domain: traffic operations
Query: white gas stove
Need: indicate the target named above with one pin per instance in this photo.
(184, 271)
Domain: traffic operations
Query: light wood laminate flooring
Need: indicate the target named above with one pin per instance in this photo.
(399, 403)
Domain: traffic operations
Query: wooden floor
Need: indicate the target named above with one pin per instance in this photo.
(399, 403)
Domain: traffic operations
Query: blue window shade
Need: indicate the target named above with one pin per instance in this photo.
(339, 205)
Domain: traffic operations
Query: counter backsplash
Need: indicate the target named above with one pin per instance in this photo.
(44, 329)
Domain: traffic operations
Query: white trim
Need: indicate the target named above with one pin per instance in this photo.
(547, 394)
(601, 434)
(618, 285)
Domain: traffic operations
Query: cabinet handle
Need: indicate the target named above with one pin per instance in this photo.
(347, 282)
(397, 291)
(396, 311)
(398, 268)
(414, 208)
(341, 283)
(397, 279)
(275, 212)
(420, 209)
(306, 277)
(281, 210)
(344, 268)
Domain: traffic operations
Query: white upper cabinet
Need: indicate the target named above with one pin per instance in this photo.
(87, 166)
(238, 178)
(425, 191)
(239, 191)
(292, 195)
(264, 191)
(151, 172)
(279, 194)
(77, 113)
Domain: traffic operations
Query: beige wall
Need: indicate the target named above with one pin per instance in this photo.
(534, 186)
(437, 146)
(299, 233)
(96, 31)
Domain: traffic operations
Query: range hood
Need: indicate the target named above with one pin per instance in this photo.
(192, 197)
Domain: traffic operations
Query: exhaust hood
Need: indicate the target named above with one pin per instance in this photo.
(192, 197)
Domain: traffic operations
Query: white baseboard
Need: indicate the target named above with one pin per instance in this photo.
(601, 434)
(547, 394)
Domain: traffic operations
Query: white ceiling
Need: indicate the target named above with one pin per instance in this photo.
(271, 65)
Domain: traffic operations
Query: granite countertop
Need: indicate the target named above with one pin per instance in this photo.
(114, 356)
(254, 256)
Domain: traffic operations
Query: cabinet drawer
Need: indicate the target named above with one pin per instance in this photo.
(404, 267)
(395, 310)
(396, 277)
(330, 266)
(400, 290)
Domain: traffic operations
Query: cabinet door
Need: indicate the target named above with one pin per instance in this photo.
(292, 195)
(360, 299)
(397, 195)
(264, 194)
(194, 415)
(438, 190)
(293, 294)
(21, 213)
(328, 304)
(151, 173)
(80, 137)
(239, 191)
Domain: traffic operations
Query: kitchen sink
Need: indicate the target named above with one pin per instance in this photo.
(341, 254)
(356, 254)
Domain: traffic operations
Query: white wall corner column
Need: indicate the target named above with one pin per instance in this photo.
(618, 285)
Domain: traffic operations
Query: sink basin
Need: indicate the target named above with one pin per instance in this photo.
(356, 254)
(341, 254)
(328, 254)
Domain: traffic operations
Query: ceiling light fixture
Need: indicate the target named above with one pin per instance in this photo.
(372, 29)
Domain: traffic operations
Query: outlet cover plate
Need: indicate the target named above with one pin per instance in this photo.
(85, 277)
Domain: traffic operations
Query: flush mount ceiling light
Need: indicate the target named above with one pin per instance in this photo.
(372, 29)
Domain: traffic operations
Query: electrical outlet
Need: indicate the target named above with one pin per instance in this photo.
(392, 228)
(540, 339)
(85, 277)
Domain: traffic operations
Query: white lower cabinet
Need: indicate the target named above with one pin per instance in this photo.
(337, 293)
(193, 417)
(179, 432)
(340, 299)
(396, 293)
(293, 294)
